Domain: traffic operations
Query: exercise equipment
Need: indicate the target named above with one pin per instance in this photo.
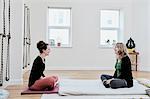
(27, 37)
(5, 39)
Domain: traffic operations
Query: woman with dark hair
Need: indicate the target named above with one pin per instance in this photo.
(37, 79)
(123, 74)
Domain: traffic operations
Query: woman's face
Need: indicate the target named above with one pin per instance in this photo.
(47, 51)
(116, 50)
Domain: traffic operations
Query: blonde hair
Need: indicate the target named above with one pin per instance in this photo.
(122, 50)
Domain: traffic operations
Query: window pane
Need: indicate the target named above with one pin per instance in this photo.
(109, 18)
(59, 17)
(108, 37)
(59, 36)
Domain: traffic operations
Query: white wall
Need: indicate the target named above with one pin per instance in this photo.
(1, 17)
(140, 31)
(85, 53)
(148, 34)
(16, 42)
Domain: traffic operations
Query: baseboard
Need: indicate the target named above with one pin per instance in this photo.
(144, 68)
(93, 68)
(11, 82)
(5, 84)
(80, 68)
(16, 81)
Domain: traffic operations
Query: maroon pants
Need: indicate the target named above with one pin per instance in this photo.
(43, 83)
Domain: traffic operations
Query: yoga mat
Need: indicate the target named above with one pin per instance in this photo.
(56, 96)
(28, 91)
(96, 87)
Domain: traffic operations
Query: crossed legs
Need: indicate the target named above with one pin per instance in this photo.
(43, 83)
(109, 81)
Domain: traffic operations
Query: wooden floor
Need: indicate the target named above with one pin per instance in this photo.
(15, 90)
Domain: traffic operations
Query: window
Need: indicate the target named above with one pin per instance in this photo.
(59, 27)
(109, 27)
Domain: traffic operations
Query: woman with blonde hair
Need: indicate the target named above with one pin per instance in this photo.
(123, 73)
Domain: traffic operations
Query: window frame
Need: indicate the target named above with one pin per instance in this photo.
(61, 27)
(119, 32)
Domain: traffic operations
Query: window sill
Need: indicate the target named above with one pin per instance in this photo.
(106, 46)
(62, 46)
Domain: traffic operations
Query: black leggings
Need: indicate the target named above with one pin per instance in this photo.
(115, 83)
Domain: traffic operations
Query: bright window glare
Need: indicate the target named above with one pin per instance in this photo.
(109, 27)
(59, 28)
(59, 17)
(108, 37)
(109, 18)
(59, 35)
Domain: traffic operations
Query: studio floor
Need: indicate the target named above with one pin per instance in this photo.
(15, 90)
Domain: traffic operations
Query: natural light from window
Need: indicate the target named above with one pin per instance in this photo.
(59, 27)
(109, 27)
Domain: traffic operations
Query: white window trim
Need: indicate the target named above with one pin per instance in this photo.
(61, 27)
(110, 28)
